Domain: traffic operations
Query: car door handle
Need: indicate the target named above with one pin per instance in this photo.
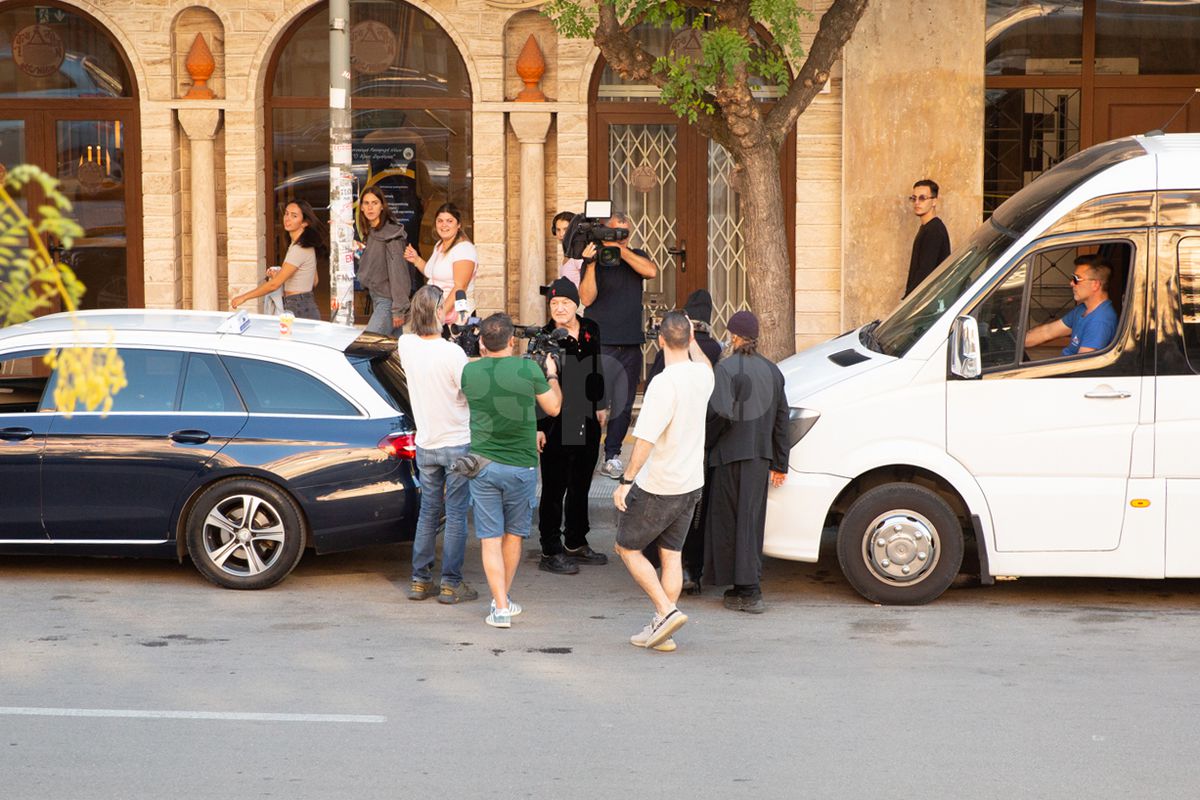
(15, 434)
(190, 437)
(1106, 392)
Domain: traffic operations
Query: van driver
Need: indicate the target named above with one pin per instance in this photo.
(1093, 322)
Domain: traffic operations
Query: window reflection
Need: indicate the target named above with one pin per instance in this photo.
(1134, 37)
(1026, 132)
(1034, 37)
(395, 51)
(420, 158)
(46, 51)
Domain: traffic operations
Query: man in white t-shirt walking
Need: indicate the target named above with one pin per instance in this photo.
(434, 368)
(662, 483)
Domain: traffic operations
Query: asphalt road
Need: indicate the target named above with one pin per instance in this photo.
(132, 679)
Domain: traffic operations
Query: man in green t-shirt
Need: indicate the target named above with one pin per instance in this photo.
(502, 390)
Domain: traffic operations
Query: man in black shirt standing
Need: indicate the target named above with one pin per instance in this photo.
(932, 244)
(613, 297)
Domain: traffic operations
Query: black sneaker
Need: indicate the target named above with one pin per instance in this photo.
(585, 555)
(751, 604)
(558, 564)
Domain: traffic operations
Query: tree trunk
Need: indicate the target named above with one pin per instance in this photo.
(768, 266)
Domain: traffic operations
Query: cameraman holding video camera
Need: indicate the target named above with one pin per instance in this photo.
(570, 442)
(613, 296)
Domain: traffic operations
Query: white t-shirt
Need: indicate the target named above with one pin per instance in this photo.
(434, 369)
(439, 269)
(672, 417)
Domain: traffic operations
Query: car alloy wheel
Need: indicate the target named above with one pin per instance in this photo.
(245, 534)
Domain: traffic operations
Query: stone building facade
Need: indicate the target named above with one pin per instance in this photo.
(202, 175)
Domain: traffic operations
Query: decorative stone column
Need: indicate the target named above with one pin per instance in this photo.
(200, 125)
(531, 128)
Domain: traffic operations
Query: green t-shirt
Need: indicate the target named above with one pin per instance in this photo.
(500, 393)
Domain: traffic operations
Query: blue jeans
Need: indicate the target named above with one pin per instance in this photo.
(435, 477)
(503, 497)
(381, 316)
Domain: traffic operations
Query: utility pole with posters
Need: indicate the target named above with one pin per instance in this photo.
(341, 179)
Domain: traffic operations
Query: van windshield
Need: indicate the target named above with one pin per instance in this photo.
(921, 309)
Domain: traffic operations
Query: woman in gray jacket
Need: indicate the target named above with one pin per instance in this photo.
(381, 267)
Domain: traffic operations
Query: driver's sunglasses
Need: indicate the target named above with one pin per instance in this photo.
(1076, 280)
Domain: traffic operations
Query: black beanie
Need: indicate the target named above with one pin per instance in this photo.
(563, 287)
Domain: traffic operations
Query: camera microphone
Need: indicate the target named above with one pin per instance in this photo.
(460, 306)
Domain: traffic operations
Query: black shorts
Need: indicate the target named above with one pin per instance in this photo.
(658, 519)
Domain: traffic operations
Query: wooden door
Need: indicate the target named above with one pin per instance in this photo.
(93, 156)
(1129, 111)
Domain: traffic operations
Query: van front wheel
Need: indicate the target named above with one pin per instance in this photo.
(900, 544)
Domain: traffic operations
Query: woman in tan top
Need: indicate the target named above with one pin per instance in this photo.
(298, 275)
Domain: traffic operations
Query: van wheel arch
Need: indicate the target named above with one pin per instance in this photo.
(918, 476)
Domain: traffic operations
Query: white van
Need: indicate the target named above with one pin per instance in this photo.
(937, 423)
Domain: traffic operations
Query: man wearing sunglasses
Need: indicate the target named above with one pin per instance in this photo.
(1092, 323)
(932, 244)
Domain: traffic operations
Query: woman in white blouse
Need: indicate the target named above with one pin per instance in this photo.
(453, 263)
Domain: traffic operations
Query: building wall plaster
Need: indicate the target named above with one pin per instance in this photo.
(913, 110)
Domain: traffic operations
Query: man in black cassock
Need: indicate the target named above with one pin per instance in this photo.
(747, 441)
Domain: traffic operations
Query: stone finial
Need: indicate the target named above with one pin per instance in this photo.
(531, 66)
(200, 66)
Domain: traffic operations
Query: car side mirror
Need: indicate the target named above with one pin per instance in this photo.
(965, 361)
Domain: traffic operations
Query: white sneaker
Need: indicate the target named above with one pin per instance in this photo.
(499, 618)
(613, 468)
(641, 640)
(661, 628)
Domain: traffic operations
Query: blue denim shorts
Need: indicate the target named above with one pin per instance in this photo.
(503, 497)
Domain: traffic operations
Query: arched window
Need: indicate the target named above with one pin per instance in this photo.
(68, 104)
(411, 111)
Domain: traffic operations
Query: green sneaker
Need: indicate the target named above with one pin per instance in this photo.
(456, 594)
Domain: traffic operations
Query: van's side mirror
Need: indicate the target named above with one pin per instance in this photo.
(965, 361)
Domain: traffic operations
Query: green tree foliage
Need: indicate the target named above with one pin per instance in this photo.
(31, 281)
(744, 46)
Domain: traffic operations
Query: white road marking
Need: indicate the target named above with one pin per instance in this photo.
(235, 716)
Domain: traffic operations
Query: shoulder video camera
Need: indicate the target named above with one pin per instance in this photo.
(589, 227)
(542, 345)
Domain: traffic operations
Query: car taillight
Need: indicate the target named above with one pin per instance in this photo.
(399, 445)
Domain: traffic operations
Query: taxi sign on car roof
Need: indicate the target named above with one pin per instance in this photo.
(237, 323)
